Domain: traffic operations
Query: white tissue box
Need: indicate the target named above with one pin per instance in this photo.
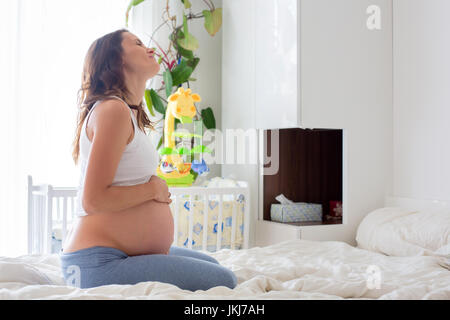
(297, 212)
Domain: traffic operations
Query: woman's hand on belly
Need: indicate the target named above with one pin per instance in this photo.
(159, 189)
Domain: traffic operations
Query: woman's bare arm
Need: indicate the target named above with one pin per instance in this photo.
(112, 128)
(118, 198)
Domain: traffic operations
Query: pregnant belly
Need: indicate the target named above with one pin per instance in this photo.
(144, 229)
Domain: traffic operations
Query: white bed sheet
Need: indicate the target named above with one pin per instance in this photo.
(297, 269)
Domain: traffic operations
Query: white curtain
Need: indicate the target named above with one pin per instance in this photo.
(42, 47)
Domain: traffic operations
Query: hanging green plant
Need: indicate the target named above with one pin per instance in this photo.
(177, 68)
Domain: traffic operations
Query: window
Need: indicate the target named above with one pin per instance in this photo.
(43, 44)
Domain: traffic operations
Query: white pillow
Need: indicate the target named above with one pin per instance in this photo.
(397, 231)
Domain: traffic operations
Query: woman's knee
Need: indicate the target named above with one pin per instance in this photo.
(178, 251)
(210, 259)
(213, 275)
(229, 279)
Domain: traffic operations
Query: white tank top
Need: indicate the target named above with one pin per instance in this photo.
(137, 164)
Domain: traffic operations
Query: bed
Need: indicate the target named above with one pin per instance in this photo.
(415, 265)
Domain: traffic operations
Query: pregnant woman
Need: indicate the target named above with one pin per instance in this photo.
(124, 227)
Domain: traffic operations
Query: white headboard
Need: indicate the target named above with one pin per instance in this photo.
(419, 204)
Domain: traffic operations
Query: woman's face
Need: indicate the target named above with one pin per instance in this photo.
(137, 58)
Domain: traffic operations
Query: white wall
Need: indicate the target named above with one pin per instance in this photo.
(238, 85)
(347, 83)
(147, 16)
(422, 99)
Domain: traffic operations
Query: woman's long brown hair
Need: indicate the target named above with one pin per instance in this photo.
(103, 76)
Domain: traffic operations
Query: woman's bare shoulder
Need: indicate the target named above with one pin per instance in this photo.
(106, 112)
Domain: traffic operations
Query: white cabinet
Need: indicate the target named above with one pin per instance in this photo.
(346, 62)
(314, 59)
(277, 64)
(313, 64)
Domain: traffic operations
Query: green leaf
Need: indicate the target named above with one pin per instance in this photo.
(188, 42)
(184, 76)
(177, 70)
(188, 54)
(200, 149)
(193, 63)
(208, 118)
(181, 73)
(165, 151)
(157, 103)
(213, 20)
(148, 102)
(168, 82)
(185, 53)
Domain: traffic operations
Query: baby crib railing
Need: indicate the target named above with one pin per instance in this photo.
(42, 201)
(215, 217)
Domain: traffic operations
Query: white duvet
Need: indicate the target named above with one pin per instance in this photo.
(297, 269)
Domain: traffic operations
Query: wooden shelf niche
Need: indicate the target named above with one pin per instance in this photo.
(310, 170)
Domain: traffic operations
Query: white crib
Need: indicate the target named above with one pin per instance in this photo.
(49, 220)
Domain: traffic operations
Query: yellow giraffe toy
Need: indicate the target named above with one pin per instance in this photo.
(172, 168)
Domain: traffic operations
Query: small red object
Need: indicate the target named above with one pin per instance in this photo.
(336, 208)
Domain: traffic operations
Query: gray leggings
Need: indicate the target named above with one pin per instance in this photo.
(187, 269)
